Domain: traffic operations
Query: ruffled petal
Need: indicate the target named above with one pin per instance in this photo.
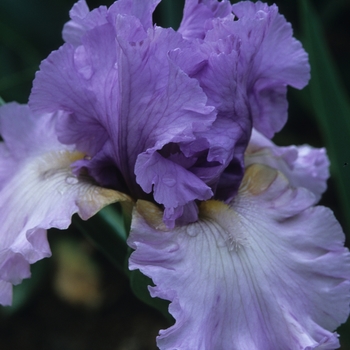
(77, 80)
(131, 95)
(184, 89)
(141, 9)
(81, 21)
(215, 67)
(304, 166)
(162, 175)
(198, 16)
(276, 60)
(268, 271)
(268, 58)
(39, 192)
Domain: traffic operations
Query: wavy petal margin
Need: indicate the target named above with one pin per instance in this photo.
(198, 16)
(269, 57)
(276, 59)
(267, 271)
(38, 191)
(136, 98)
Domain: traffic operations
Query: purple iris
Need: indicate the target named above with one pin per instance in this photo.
(179, 123)
(167, 114)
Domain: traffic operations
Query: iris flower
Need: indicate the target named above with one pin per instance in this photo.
(179, 123)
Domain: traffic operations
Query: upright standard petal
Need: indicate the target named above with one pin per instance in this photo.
(276, 59)
(267, 271)
(38, 191)
(83, 20)
(198, 16)
(268, 57)
(141, 9)
(132, 100)
(214, 66)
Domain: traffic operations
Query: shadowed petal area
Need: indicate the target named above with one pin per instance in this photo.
(163, 175)
(38, 191)
(265, 271)
(215, 68)
(304, 166)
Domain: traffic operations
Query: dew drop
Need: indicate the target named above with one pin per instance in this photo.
(192, 230)
(169, 181)
(71, 180)
(261, 15)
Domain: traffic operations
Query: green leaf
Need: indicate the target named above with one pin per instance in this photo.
(169, 13)
(12, 39)
(329, 103)
(16, 78)
(2, 102)
(106, 231)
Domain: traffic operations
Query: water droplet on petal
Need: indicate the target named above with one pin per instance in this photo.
(192, 230)
(71, 180)
(261, 15)
(169, 181)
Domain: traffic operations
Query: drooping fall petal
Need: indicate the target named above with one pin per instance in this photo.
(38, 190)
(267, 270)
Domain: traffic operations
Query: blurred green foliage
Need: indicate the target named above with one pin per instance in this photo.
(329, 104)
